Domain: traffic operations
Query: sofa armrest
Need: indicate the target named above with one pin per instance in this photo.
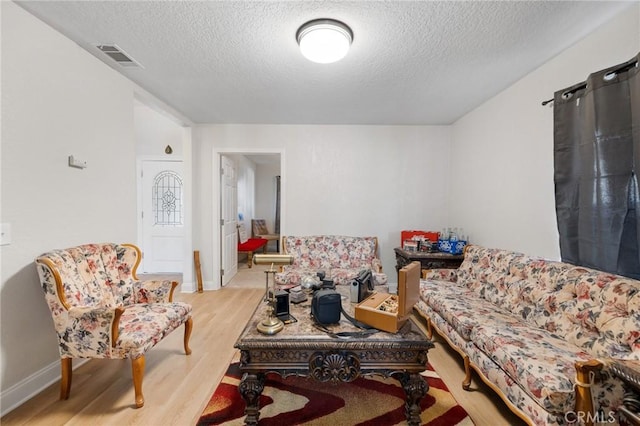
(442, 274)
(376, 265)
(154, 291)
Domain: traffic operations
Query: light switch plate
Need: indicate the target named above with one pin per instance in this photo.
(5, 234)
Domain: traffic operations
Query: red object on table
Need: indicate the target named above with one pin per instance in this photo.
(407, 235)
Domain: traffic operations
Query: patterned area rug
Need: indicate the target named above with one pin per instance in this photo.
(295, 400)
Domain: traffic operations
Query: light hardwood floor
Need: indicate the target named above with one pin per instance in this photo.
(177, 387)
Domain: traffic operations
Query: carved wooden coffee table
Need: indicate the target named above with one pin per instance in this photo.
(301, 349)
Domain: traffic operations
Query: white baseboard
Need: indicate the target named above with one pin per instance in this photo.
(192, 288)
(209, 285)
(188, 287)
(26, 389)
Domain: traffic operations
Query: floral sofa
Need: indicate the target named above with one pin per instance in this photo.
(101, 310)
(541, 333)
(340, 257)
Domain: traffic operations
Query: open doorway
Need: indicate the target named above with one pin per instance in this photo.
(251, 187)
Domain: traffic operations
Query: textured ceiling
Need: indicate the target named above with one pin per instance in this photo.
(421, 62)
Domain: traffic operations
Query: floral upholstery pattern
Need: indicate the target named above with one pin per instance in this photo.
(541, 362)
(95, 279)
(340, 257)
(461, 307)
(147, 324)
(450, 275)
(525, 321)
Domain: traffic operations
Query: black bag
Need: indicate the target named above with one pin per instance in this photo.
(326, 306)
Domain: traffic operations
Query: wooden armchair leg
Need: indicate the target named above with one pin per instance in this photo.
(137, 367)
(249, 259)
(429, 329)
(65, 381)
(466, 383)
(188, 325)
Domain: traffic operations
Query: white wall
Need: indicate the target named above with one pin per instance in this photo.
(350, 180)
(154, 131)
(502, 188)
(57, 100)
(266, 193)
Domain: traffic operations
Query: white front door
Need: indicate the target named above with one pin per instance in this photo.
(229, 222)
(163, 231)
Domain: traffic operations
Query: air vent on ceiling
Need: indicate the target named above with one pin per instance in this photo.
(117, 54)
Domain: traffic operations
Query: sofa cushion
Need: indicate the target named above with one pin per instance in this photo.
(461, 307)
(543, 364)
(143, 325)
(482, 266)
(602, 312)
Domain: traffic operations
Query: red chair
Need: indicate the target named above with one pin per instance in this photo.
(249, 245)
(252, 245)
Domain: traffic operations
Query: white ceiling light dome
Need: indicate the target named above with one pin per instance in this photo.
(324, 40)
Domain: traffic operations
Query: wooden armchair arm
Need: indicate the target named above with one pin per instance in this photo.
(48, 266)
(115, 326)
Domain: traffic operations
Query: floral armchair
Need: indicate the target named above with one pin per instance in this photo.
(101, 310)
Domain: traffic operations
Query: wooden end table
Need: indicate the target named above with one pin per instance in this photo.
(301, 349)
(629, 372)
(427, 260)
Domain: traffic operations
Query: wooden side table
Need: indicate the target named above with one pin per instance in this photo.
(427, 260)
(629, 373)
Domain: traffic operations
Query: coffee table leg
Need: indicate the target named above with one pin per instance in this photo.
(251, 387)
(416, 388)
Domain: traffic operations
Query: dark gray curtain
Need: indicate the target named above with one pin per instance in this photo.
(596, 161)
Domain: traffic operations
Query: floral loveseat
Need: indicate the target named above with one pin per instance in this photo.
(101, 310)
(340, 257)
(539, 332)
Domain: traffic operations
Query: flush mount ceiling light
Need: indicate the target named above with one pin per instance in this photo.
(324, 40)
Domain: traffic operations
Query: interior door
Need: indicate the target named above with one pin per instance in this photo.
(229, 219)
(163, 232)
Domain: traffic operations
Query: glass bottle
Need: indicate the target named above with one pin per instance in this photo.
(453, 237)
